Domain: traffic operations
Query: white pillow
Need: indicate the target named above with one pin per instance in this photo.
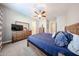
(53, 35)
(74, 44)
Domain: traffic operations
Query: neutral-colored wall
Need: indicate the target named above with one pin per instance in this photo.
(73, 15)
(10, 17)
(33, 27)
(61, 22)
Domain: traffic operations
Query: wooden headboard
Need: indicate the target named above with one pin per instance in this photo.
(74, 28)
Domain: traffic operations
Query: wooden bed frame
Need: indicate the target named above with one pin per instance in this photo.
(36, 50)
(74, 28)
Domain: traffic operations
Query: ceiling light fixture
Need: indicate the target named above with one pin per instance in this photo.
(40, 11)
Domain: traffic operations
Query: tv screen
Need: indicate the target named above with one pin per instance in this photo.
(15, 27)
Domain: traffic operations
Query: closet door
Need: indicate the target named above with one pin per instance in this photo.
(1, 18)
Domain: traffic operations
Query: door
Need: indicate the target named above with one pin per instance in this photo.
(52, 27)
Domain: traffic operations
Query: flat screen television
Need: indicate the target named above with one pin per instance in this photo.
(15, 27)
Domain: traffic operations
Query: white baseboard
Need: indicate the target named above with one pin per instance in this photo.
(7, 41)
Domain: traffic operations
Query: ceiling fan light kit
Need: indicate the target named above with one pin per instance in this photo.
(40, 14)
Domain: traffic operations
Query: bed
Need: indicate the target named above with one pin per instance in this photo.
(45, 43)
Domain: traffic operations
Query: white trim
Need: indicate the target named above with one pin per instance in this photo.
(6, 41)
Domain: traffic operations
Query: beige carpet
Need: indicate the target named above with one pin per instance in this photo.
(17, 49)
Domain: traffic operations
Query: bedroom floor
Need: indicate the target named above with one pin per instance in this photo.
(17, 49)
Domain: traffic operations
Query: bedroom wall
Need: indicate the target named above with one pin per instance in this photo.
(10, 17)
(33, 27)
(73, 15)
(61, 22)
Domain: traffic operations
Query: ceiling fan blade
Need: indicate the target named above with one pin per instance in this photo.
(43, 12)
(43, 16)
(36, 12)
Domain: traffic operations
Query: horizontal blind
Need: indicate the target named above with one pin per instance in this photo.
(1, 18)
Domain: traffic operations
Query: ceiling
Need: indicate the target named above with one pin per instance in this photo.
(52, 9)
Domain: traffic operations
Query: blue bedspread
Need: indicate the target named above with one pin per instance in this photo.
(45, 42)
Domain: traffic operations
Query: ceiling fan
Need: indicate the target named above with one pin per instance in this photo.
(40, 14)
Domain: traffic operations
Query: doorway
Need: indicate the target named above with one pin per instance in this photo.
(52, 27)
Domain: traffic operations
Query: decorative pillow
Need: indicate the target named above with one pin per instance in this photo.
(53, 35)
(63, 38)
(56, 34)
(74, 44)
(69, 36)
(60, 39)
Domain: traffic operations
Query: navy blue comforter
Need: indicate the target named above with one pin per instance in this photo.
(45, 42)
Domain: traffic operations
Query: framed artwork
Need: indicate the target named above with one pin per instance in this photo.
(25, 25)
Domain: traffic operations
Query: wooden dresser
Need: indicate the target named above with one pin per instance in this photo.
(20, 35)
